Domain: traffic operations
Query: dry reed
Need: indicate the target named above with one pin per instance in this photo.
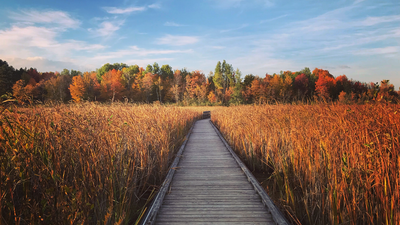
(329, 164)
(85, 164)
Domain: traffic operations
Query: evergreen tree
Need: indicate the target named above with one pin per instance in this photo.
(6, 78)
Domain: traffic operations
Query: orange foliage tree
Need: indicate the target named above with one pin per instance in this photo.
(111, 85)
(211, 97)
(77, 88)
(325, 84)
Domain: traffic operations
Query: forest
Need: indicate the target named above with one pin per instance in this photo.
(223, 86)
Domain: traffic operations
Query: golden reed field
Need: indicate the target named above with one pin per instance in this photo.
(329, 164)
(98, 164)
(85, 164)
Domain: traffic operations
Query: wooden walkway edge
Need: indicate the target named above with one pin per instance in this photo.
(211, 186)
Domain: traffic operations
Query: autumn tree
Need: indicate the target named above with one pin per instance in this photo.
(211, 97)
(51, 87)
(325, 85)
(92, 86)
(246, 92)
(196, 86)
(286, 88)
(19, 91)
(148, 85)
(129, 75)
(275, 85)
(256, 90)
(77, 88)
(300, 86)
(177, 86)
(107, 67)
(111, 85)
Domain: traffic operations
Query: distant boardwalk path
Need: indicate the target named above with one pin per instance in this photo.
(209, 187)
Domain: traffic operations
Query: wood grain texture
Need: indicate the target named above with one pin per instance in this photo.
(209, 187)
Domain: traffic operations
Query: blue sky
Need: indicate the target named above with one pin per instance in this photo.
(354, 37)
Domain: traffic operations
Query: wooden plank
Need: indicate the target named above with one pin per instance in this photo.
(207, 211)
(151, 214)
(212, 223)
(276, 214)
(221, 215)
(214, 207)
(209, 187)
(213, 219)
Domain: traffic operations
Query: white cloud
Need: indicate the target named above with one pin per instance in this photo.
(43, 64)
(370, 21)
(154, 6)
(272, 19)
(173, 24)
(107, 28)
(233, 29)
(177, 40)
(23, 42)
(114, 10)
(390, 50)
(59, 18)
(144, 62)
(218, 47)
(134, 55)
(136, 51)
(241, 3)
(358, 1)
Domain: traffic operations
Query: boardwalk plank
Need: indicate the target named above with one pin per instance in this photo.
(209, 187)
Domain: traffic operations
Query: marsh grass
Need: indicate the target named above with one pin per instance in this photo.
(328, 163)
(86, 163)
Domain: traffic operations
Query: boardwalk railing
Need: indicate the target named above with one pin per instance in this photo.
(206, 114)
(151, 213)
(170, 214)
(276, 213)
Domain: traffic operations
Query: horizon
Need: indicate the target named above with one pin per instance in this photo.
(357, 38)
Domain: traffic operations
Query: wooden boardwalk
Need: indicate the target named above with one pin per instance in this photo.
(209, 187)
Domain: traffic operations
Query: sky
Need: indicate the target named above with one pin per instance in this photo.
(358, 38)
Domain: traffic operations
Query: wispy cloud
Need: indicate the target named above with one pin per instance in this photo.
(173, 24)
(218, 47)
(177, 40)
(241, 3)
(233, 29)
(154, 6)
(390, 50)
(28, 41)
(59, 18)
(272, 19)
(107, 28)
(357, 2)
(42, 64)
(115, 10)
(371, 21)
(134, 51)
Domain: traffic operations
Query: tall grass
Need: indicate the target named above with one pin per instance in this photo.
(85, 164)
(329, 164)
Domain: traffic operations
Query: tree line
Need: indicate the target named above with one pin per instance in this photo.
(224, 86)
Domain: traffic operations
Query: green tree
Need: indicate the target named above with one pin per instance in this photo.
(218, 76)
(156, 68)
(149, 69)
(166, 72)
(237, 91)
(65, 72)
(76, 73)
(107, 67)
(6, 78)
